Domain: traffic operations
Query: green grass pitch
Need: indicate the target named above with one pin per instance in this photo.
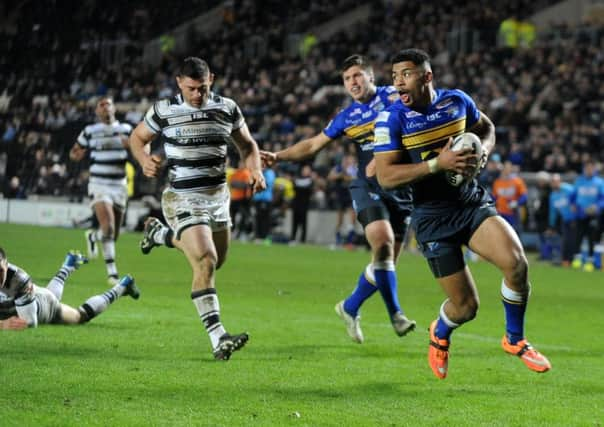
(149, 363)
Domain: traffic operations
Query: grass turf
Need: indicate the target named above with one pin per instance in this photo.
(149, 362)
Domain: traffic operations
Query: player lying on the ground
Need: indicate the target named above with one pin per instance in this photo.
(24, 304)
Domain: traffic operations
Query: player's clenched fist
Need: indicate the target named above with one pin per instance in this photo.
(151, 165)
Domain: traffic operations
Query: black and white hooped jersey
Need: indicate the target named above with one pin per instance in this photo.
(195, 139)
(17, 290)
(107, 153)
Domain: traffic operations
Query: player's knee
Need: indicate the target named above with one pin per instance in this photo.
(207, 261)
(519, 271)
(383, 250)
(468, 310)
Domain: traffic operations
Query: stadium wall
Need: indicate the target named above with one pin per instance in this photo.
(53, 212)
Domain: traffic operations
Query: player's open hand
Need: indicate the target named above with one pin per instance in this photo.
(151, 166)
(268, 158)
(13, 323)
(257, 182)
(462, 161)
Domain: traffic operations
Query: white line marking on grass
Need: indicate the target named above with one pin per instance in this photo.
(477, 337)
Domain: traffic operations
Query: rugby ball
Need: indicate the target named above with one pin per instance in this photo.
(460, 142)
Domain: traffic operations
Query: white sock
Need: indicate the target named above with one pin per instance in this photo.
(160, 236)
(57, 283)
(97, 304)
(109, 255)
(208, 307)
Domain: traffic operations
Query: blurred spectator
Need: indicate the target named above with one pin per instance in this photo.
(303, 186)
(540, 208)
(562, 217)
(340, 177)
(588, 202)
(263, 203)
(241, 194)
(510, 193)
(15, 190)
(491, 172)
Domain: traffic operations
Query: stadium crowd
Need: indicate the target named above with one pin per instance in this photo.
(544, 96)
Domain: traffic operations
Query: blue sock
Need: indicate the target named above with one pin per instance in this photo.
(444, 325)
(362, 292)
(442, 330)
(514, 304)
(385, 279)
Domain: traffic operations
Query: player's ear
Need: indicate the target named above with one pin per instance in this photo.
(211, 78)
(428, 76)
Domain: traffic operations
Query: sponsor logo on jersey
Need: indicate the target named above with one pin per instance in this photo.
(177, 120)
(187, 131)
(444, 103)
(199, 115)
(356, 111)
(374, 196)
(433, 246)
(411, 114)
(381, 136)
(433, 117)
(453, 111)
(415, 125)
(367, 114)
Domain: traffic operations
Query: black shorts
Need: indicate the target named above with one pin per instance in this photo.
(440, 237)
(371, 203)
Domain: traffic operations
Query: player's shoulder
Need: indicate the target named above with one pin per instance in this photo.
(17, 275)
(392, 112)
(163, 107)
(93, 128)
(388, 93)
(443, 95)
(123, 126)
(220, 100)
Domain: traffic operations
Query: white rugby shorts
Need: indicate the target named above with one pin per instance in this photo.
(186, 209)
(49, 307)
(116, 195)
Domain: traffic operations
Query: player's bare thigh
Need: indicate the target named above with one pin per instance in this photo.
(105, 215)
(221, 242)
(497, 242)
(69, 315)
(197, 242)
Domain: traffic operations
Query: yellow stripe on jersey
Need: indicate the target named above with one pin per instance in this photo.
(426, 137)
(360, 131)
(377, 153)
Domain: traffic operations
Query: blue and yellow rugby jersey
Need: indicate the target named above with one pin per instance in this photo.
(357, 121)
(421, 136)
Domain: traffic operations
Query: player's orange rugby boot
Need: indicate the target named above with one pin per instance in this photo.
(438, 354)
(534, 360)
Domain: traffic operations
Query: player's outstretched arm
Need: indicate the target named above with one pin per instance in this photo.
(304, 149)
(248, 150)
(140, 138)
